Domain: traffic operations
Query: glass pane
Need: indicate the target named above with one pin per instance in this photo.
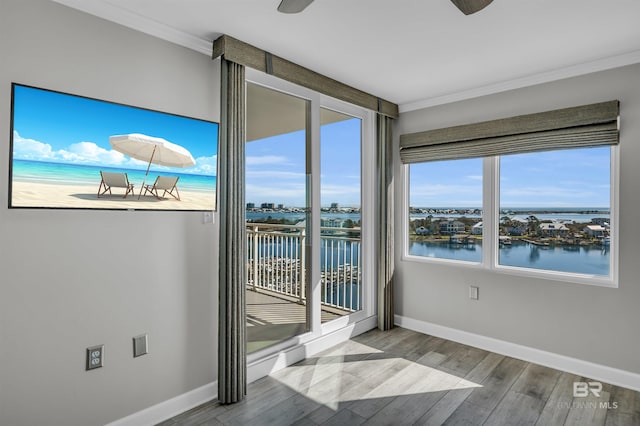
(276, 195)
(340, 195)
(555, 210)
(445, 210)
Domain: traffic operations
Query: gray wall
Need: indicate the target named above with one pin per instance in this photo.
(587, 322)
(71, 279)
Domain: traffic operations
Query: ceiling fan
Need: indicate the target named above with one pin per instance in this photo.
(466, 6)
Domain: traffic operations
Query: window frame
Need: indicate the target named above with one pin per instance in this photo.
(490, 216)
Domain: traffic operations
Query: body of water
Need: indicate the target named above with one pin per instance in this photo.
(293, 216)
(573, 259)
(70, 174)
(570, 215)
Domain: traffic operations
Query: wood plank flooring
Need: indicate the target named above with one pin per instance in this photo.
(401, 377)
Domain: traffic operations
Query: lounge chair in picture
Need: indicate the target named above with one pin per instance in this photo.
(114, 180)
(166, 184)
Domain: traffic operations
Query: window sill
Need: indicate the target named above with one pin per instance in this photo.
(594, 280)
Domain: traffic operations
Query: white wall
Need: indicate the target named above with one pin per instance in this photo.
(71, 279)
(591, 323)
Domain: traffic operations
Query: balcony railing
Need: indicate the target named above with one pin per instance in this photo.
(277, 259)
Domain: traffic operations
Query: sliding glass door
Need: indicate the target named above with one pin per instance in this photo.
(277, 195)
(308, 182)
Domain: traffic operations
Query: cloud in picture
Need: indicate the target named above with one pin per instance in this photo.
(89, 153)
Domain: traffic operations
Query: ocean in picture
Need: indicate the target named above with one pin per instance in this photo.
(72, 174)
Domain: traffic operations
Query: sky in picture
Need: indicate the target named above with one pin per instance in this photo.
(276, 167)
(563, 179)
(60, 128)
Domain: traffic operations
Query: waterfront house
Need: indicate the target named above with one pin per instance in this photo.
(553, 229)
(595, 231)
(332, 222)
(602, 221)
(450, 227)
(477, 229)
(516, 230)
(472, 344)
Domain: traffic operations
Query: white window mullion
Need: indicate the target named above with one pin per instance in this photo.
(314, 187)
(490, 211)
(614, 214)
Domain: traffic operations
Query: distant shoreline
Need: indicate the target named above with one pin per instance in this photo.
(511, 211)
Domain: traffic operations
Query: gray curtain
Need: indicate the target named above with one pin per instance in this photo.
(384, 215)
(232, 363)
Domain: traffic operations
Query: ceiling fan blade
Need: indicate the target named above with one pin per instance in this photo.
(293, 6)
(470, 6)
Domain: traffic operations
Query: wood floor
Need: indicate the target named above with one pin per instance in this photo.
(401, 377)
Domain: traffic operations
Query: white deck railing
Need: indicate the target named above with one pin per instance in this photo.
(277, 262)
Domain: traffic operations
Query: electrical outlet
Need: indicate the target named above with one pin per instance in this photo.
(473, 292)
(140, 345)
(95, 357)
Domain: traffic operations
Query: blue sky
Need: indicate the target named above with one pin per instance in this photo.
(276, 167)
(54, 127)
(567, 178)
(564, 179)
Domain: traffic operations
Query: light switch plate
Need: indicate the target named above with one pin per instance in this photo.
(473, 292)
(140, 345)
(207, 217)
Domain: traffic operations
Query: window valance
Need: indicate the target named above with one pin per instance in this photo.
(575, 127)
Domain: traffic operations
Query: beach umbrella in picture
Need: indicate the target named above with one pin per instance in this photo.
(152, 150)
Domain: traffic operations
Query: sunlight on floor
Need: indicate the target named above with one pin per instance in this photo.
(335, 377)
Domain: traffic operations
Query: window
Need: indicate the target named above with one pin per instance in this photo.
(549, 193)
(445, 213)
(553, 215)
(555, 211)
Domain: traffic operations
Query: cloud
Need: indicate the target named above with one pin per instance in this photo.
(475, 177)
(340, 190)
(90, 153)
(77, 153)
(30, 149)
(547, 193)
(292, 194)
(205, 166)
(266, 159)
(275, 174)
(444, 191)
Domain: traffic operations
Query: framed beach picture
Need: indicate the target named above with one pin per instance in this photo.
(74, 152)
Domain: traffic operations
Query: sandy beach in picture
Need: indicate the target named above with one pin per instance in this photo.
(27, 194)
(64, 145)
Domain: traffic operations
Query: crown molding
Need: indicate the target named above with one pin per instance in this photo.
(530, 80)
(108, 11)
(140, 23)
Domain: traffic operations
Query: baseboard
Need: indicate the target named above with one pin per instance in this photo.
(576, 366)
(170, 408)
(260, 368)
(270, 364)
